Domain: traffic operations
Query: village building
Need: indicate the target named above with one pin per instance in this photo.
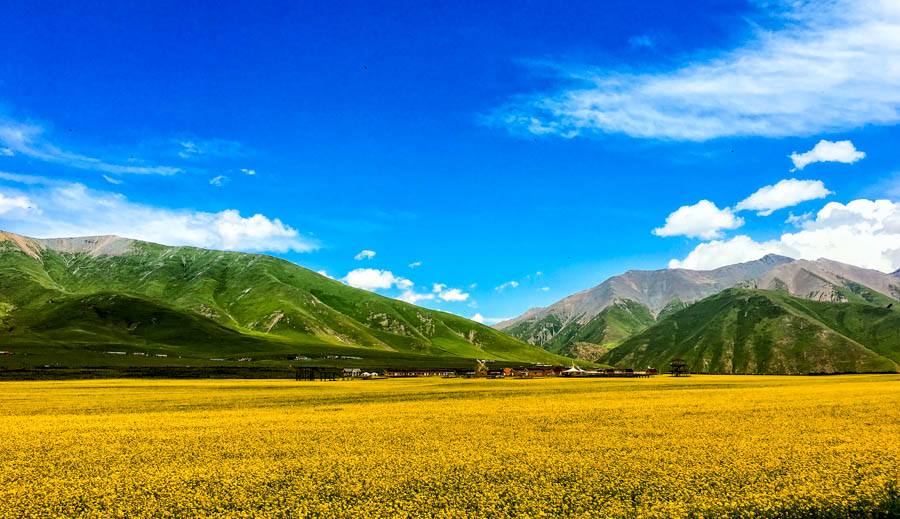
(400, 373)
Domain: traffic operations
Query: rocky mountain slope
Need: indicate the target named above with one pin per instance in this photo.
(94, 292)
(643, 294)
(827, 280)
(757, 331)
(636, 300)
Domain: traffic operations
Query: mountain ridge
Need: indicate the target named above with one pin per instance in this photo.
(558, 326)
(752, 331)
(654, 289)
(254, 295)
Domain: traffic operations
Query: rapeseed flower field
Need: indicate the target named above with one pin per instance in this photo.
(705, 446)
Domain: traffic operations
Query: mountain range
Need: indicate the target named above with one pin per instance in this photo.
(73, 301)
(710, 317)
(77, 298)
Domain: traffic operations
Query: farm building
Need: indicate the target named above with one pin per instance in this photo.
(395, 373)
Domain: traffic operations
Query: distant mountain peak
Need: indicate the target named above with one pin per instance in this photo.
(769, 258)
(654, 290)
(109, 244)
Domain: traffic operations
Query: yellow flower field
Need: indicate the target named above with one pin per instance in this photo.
(725, 446)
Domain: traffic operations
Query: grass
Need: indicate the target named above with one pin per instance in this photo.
(757, 331)
(204, 303)
(604, 331)
(706, 446)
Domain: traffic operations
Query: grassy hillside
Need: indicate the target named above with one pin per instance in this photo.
(756, 331)
(586, 340)
(222, 304)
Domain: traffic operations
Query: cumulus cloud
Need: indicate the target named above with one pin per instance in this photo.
(437, 287)
(798, 219)
(453, 294)
(508, 284)
(785, 193)
(701, 220)
(364, 254)
(323, 273)
(71, 209)
(863, 232)
(9, 202)
(828, 151)
(411, 297)
(829, 66)
(27, 139)
(478, 318)
(374, 279)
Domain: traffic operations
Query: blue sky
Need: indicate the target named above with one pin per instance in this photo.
(492, 157)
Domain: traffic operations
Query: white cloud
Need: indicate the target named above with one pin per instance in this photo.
(249, 171)
(701, 220)
(323, 273)
(209, 147)
(863, 232)
(218, 181)
(545, 289)
(829, 66)
(827, 151)
(437, 287)
(478, 318)
(111, 180)
(26, 139)
(364, 254)
(454, 294)
(415, 264)
(508, 284)
(798, 219)
(374, 279)
(9, 202)
(785, 193)
(718, 253)
(71, 209)
(494, 320)
(411, 297)
(6, 152)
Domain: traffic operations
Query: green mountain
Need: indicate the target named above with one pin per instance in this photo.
(82, 297)
(580, 326)
(760, 331)
(644, 295)
(590, 338)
